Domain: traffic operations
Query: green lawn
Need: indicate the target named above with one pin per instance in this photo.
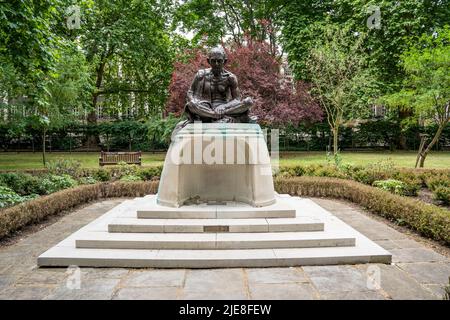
(29, 160)
(400, 159)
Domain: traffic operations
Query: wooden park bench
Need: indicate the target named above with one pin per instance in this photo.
(107, 158)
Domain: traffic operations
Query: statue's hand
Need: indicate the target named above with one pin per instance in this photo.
(248, 101)
(220, 110)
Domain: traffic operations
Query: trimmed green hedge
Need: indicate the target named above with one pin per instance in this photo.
(14, 218)
(429, 220)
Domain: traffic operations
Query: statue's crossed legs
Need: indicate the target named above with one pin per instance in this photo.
(232, 111)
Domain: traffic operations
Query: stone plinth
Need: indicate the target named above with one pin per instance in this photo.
(216, 162)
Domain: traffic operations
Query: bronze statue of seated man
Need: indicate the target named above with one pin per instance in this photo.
(214, 94)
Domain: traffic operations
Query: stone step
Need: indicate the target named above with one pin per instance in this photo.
(105, 240)
(65, 253)
(130, 225)
(230, 210)
(128, 258)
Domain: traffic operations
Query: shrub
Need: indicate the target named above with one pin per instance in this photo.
(21, 183)
(64, 166)
(87, 180)
(9, 198)
(126, 169)
(150, 173)
(429, 220)
(14, 218)
(381, 170)
(391, 185)
(102, 175)
(434, 182)
(442, 193)
(316, 170)
(53, 183)
(130, 178)
(412, 180)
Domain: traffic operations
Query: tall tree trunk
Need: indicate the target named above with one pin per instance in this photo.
(93, 140)
(43, 147)
(423, 155)
(401, 140)
(335, 139)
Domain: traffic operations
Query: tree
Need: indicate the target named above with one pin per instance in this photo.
(341, 78)
(28, 43)
(40, 123)
(399, 21)
(129, 49)
(277, 101)
(426, 88)
(217, 21)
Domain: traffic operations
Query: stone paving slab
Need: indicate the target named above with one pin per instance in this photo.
(417, 272)
(283, 291)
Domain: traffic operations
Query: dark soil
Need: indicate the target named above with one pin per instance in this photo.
(426, 195)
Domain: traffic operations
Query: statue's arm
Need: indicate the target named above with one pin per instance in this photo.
(190, 94)
(235, 93)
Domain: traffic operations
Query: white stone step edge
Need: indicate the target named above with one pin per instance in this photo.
(193, 214)
(103, 240)
(127, 258)
(131, 225)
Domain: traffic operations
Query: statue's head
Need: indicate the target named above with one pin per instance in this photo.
(217, 59)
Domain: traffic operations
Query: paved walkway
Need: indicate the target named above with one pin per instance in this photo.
(417, 272)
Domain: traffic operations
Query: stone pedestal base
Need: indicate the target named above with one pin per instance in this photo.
(217, 162)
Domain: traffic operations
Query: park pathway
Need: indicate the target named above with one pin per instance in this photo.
(417, 272)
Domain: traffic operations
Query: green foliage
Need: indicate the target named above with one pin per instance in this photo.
(383, 173)
(391, 185)
(53, 183)
(87, 180)
(429, 220)
(150, 173)
(27, 37)
(129, 47)
(212, 21)
(21, 183)
(130, 178)
(426, 85)
(400, 21)
(124, 134)
(380, 170)
(159, 130)
(335, 159)
(435, 181)
(342, 79)
(11, 219)
(126, 169)
(9, 198)
(425, 89)
(102, 175)
(442, 193)
(64, 166)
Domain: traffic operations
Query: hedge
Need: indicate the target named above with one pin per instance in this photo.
(14, 218)
(429, 220)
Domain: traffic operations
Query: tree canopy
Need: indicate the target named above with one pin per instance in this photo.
(134, 59)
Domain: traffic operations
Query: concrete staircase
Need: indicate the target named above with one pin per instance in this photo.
(141, 233)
